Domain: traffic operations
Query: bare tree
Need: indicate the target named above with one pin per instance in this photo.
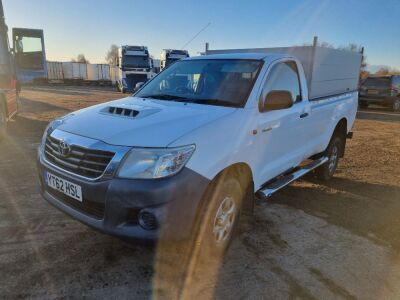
(80, 59)
(325, 45)
(364, 74)
(112, 55)
(383, 71)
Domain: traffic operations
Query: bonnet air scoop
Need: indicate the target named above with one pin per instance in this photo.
(123, 112)
(130, 112)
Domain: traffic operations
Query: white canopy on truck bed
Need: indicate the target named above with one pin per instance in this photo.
(328, 71)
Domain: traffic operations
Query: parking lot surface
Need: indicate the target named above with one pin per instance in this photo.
(309, 241)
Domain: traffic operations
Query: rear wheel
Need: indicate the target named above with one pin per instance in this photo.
(396, 105)
(326, 171)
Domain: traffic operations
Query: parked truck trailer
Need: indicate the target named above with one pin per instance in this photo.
(134, 66)
(8, 80)
(169, 56)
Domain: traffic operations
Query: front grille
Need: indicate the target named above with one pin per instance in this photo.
(85, 162)
(91, 208)
(133, 79)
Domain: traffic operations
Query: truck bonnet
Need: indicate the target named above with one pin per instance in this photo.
(141, 122)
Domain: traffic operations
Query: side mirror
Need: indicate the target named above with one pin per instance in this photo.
(276, 100)
(138, 86)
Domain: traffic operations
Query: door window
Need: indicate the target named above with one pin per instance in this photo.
(29, 52)
(26, 44)
(283, 77)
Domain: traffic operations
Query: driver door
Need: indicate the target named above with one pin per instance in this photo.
(281, 132)
(30, 58)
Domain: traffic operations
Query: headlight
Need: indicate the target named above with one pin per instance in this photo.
(147, 163)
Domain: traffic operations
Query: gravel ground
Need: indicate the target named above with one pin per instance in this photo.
(338, 240)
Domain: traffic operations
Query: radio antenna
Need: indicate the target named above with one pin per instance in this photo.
(196, 35)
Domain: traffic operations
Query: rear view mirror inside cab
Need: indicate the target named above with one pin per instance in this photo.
(276, 100)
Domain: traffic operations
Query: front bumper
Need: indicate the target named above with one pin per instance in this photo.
(113, 205)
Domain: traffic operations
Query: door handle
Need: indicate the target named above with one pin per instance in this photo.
(266, 129)
(303, 115)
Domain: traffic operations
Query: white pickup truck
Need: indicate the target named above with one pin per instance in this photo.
(190, 150)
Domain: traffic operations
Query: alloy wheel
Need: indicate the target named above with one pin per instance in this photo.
(224, 220)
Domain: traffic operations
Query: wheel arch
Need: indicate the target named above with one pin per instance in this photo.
(341, 130)
(243, 172)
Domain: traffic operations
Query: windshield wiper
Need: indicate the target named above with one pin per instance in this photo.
(213, 102)
(164, 97)
(176, 98)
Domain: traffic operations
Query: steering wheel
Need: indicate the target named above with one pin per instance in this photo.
(182, 89)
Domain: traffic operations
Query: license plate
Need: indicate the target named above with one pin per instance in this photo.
(372, 92)
(64, 186)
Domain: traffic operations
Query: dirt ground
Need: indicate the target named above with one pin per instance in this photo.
(339, 240)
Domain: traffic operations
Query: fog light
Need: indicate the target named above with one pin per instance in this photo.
(147, 220)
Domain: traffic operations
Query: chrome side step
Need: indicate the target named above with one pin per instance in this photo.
(270, 188)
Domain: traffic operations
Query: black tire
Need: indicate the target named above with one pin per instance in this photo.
(396, 105)
(220, 217)
(363, 104)
(326, 171)
(3, 122)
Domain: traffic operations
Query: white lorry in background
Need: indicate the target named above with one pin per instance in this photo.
(134, 66)
(186, 154)
(169, 56)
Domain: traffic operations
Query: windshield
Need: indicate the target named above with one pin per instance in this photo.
(225, 82)
(132, 61)
(377, 82)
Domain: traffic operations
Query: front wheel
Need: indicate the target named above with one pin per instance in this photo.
(220, 217)
(326, 171)
(396, 105)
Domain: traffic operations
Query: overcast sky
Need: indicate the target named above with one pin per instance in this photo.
(91, 26)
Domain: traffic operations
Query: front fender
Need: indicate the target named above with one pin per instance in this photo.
(220, 144)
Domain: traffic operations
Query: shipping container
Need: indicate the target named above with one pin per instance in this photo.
(114, 74)
(55, 71)
(98, 72)
(75, 71)
(81, 73)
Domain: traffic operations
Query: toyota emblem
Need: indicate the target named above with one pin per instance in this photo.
(64, 148)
